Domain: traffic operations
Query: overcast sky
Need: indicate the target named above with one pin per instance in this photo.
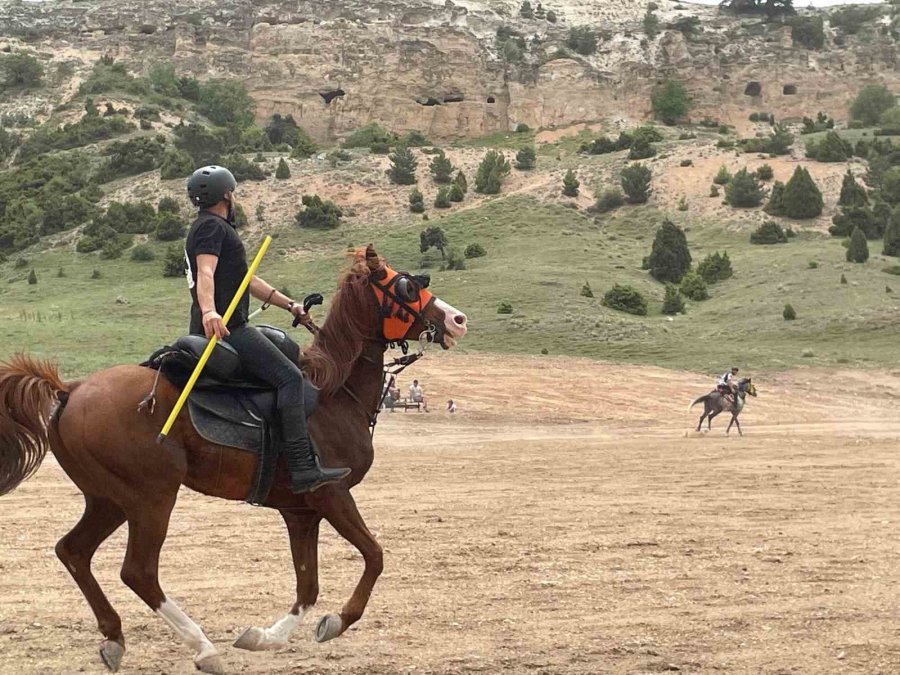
(807, 3)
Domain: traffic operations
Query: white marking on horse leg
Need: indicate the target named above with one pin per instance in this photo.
(280, 632)
(189, 632)
(275, 637)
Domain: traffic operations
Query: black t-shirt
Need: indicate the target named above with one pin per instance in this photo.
(213, 235)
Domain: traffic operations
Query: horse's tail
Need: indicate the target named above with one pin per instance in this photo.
(699, 400)
(28, 388)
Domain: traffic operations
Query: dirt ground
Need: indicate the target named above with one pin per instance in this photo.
(565, 520)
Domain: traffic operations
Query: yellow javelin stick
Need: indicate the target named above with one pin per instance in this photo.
(212, 342)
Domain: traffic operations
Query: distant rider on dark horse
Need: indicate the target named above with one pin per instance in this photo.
(727, 384)
(216, 265)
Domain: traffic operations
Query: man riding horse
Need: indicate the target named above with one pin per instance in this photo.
(717, 401)
(216, 265)
(727, 384)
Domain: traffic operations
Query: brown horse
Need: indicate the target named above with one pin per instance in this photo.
(109, 450)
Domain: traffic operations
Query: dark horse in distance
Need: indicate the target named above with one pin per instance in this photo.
(109, 450)
(716, 402)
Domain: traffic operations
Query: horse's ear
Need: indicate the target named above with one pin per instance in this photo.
(373, 260)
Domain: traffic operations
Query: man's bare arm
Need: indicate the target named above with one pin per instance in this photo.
(206, 289)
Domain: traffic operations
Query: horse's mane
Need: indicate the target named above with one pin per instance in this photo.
(339, 342)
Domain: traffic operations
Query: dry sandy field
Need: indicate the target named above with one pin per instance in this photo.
(566, 520)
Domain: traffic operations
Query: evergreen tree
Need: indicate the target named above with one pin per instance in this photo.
(715, 267)
(282, 172)
(318, 213)
(168, 205)
(890, 186)
(694, 287)
(641, 149)
(769, 232)
(871, 103)
(456, 193)
(491, 172)
(170, 227)
(525, 11)
(670, 101)
(433, 236)
(673, 303)
(892, 235)
(852, 193)
(90, 108)
(526, 158)
(32, 277)
(625, 299)
(570, 184)
(441, 168)
(304, 146)
(176, 164)
(635, 181)
(173, 263)
(416, 201)
(858, 250)
(651, 24)
(743, 190)
(802, 198)
(461, 181)
(669, 258)
(403, 166)
(775, 205)
(832, 148)
(20, 69)
(723, 176)
(765, 172)
(852, 217)
(788, 313)
(442, 199)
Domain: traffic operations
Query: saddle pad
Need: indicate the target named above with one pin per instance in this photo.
(221, 431)
(243, 408)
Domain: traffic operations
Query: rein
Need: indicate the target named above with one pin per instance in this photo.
(390, 370)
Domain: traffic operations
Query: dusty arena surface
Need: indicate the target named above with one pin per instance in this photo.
(566, 520)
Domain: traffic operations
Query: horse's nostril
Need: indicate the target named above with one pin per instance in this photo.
(460, 319)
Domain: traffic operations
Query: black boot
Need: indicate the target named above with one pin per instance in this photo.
(303, 464)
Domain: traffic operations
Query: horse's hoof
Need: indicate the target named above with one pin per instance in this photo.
(251, 639)
(210, 664)
(112, 652)
(330, 626)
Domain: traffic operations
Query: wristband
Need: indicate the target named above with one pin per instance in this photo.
(291, 305)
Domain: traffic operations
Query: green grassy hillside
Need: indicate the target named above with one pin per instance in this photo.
(539, 256)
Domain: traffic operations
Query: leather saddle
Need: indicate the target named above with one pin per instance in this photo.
(228, 407)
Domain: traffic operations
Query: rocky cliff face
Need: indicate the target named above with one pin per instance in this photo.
(436, 66)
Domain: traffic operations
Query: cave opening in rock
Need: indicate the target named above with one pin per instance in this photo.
(753, 89)
(454, 98)
(329, 96)
(490, 99)
(789, 89)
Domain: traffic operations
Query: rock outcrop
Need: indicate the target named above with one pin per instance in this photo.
(437, 66)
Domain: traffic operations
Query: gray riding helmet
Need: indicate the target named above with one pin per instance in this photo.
(208, 185)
